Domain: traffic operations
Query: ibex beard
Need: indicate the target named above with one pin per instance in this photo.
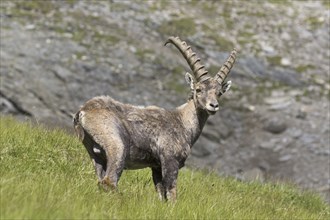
(120, 136)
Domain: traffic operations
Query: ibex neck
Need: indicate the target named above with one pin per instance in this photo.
(193, 120)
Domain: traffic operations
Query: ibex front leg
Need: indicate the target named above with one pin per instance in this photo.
(157, 178)
(170, 169)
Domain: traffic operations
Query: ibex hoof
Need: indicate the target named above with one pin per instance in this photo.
(106, 184)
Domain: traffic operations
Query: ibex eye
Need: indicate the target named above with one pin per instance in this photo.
(198, 90)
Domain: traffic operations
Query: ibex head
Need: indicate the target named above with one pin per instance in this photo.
(206, 90)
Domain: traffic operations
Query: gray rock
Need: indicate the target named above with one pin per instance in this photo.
(210, 133)
(200, 150)
(269, 144)
(8, 106)
(255, 174)
(285, 158)
(275, 126)
(301, 114)
(295, 133)
(278, 102)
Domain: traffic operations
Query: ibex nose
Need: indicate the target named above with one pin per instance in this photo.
(214, 106)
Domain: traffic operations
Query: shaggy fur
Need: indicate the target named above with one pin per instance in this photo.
(120, 136)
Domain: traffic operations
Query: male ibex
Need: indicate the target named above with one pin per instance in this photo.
(119, 136)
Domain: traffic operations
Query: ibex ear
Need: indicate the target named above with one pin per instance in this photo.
(226, 86)
(190, 80)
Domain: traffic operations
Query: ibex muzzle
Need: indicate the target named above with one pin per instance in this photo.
(120, 136)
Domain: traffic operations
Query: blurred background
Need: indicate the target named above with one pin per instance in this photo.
(273, 124)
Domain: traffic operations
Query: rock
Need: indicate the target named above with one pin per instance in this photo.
(7, 107)
(253, 67)
(285, 36)
(269, 144)
(285, 61)
(201, 149)
(255, 174)
(267, 48)
(30, 27)
(285, 158)
(295, 93)
(224, 130)
(302, 114)
(278, 148)
(210, 133)
(279, 102)
(275, 126)
(295, 133)
(285, 76)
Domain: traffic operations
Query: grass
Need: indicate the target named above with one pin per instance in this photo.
(275, 60)
(221, 42)
(303, 68)
(38, 6)
(46, 174)
(178, 27)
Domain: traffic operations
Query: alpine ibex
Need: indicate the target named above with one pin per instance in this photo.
(120, 136)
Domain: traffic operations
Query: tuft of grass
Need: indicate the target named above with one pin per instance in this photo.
(178, 27)
(221, 42)
(38, 6)
(326, 3)
(303, 68)
(46, 174)
(284, 2)
(175, 82)
(274, 60)
(314, 22)
(143, 54)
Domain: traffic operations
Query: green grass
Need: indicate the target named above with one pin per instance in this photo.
(46, 174)
(178, 27)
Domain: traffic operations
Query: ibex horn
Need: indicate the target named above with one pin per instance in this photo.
(226, 67)
(198, 69)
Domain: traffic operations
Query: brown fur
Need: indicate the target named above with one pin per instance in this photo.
(120, 136)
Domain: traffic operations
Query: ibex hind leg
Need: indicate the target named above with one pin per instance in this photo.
(115, 157)
(97, 154)
(99, 161)
(106, 130)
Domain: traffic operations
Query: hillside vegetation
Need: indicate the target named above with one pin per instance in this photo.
(46, 174)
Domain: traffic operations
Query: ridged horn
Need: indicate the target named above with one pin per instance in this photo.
(226, 67)
(198, 69)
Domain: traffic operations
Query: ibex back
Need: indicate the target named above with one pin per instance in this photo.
(120, 136)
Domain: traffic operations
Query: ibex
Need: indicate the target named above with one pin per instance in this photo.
(120, 136)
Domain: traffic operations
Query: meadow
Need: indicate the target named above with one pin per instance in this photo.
(47, 174)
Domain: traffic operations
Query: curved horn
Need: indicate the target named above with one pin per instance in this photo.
(198, 69)
(226, 67)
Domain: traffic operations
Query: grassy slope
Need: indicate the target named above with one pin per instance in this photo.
(47, 174)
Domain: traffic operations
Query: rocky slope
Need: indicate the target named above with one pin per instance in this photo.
(274, 122)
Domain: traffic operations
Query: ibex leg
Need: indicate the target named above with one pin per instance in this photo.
(115, 154)
(157, 178)
(170, 171)
(97, 154)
